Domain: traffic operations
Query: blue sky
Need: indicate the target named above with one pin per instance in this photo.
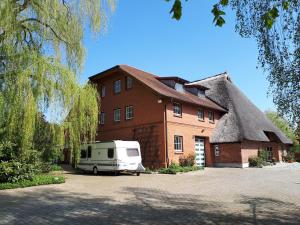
(142, 34)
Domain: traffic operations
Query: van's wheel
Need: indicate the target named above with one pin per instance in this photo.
(95, 170)
(138, 173)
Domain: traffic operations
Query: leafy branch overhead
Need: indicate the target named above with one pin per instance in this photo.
(275, 25)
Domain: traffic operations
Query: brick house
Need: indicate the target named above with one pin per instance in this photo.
(172, 118)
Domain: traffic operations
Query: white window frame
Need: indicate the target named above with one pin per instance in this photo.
(129, 83)
(178, 143)
(102, 118)
(103, 91)
(217, 150)
(117, 86)
(117, 115)
(198, 114)
(175, 113)
(129, 112)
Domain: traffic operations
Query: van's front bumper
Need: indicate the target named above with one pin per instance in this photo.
(136, 167)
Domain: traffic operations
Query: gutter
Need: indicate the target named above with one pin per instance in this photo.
(166, 134)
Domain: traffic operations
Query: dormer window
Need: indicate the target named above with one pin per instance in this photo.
(179, 87)
(201, 93)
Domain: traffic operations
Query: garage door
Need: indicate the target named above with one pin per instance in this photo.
(199, 151)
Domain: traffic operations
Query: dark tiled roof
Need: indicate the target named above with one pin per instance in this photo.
(244, 121)
(152, 81)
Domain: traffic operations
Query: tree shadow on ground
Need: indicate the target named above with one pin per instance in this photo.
(142, 206)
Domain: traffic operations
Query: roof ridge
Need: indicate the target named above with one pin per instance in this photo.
(214, 77)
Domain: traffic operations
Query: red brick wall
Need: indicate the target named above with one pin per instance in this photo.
(229, 153)
(250, 148)
(188, 126)
(147, 125)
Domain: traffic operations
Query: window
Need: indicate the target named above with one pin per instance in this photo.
(117, 115)
(83, 154)
(179, 87)
(117, 86)
(217, 150)
(110, 153)
(201, 114)
(129, 82)
(177, 109)
(128, 112)
(102, 91)
(89, 151)
(211, 116)
(178, 143)
(102, 118)
(131, 152)
(269, 154)
(201, 93)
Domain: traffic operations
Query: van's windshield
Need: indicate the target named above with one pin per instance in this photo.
(131, 152)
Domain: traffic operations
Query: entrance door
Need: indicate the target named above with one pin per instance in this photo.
(199, 151)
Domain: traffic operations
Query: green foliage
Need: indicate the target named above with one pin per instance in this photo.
(283, 125)
(260, 160)
(14, 171)
(175, 168)
(41, 179)
(56, 167)
(255, 161)
(187, 161)
(275, 25)
(41, 55)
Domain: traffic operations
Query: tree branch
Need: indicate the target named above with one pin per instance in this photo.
(46, 25)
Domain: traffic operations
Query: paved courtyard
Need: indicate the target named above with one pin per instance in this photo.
(213, 196)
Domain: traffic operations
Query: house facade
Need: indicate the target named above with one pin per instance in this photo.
(173, 118)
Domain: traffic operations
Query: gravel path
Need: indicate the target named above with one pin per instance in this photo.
(212, 196)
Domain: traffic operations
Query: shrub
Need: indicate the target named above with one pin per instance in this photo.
(175, 168)
(263, 155)
(41, 179)
(14, 171)
(56, 167)
(187, 160)
(256, 161)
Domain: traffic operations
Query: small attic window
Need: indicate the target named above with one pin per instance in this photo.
(179, 87)
(201, 93)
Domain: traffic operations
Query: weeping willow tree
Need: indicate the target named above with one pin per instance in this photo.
(41, 56)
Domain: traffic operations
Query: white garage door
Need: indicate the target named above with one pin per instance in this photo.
(200, 151)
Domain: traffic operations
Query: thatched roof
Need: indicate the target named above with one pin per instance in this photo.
(244, 121)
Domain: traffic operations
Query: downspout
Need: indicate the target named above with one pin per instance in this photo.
(166, 134)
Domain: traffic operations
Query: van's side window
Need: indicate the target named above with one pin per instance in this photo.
(83, 154)
(110, 153)
(89, 151)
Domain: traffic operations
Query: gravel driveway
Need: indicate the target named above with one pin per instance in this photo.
(212, 196)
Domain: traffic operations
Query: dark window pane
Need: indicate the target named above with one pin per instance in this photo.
(110, 153)
(83, 154)
(89, 151)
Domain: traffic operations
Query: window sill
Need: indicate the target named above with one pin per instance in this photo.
(178, 152)
(177, 115)
(200, 120)
(128, 119)
(212, 122)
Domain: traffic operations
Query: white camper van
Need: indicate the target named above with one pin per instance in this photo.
(111, 156)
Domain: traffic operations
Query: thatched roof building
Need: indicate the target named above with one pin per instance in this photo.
(244, 121)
